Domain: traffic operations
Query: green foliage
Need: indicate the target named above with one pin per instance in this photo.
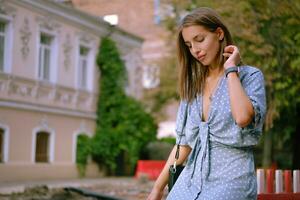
(268, 36)
(123, 127)
(82, 153)
(170, 140)
(159, 150)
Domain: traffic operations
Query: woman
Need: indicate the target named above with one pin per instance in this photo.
(226, 109)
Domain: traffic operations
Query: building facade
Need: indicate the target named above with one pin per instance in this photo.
(142, 18)
(145, 19)
(49, 85)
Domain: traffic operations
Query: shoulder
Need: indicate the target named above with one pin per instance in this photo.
(248, 72)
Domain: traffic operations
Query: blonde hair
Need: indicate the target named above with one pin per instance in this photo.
(191, 72)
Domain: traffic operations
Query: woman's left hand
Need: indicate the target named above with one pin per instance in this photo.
(232, 53)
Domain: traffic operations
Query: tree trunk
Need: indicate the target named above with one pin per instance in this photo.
(267, 151)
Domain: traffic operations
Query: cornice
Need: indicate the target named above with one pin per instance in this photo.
(96, 24)
(46, 109)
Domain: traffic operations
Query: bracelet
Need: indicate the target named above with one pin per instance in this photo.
(231, 69)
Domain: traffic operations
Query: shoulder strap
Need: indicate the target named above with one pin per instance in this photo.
(181, 133)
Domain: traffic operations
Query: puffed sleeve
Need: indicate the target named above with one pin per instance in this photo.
(180, 123)
(253, 83)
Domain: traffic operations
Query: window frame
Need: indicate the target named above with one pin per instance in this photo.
(5, 147)
(8, 45)
(51, 144)
(53, 60)
(90, 67)
(74, 142)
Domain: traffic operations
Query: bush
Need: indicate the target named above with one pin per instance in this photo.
(82, 153)
(123, 126)
(159, 150)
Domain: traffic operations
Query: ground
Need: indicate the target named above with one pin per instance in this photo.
(120, 188)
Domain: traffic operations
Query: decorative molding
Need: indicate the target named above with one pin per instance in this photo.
(39, 95)
(7, 10)
(86, 38)
(82, 127)
(48, 23)
(25, 38)
(39, 108)
(67, 52)
(44, 122)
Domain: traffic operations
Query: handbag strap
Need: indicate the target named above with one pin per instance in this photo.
(180, 136)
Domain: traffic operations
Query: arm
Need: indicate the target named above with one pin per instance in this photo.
(241, 106)
(162, 180)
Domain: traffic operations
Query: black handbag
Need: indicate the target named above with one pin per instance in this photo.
(175, 170)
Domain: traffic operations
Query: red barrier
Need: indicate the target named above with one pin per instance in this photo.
(291, 196)
(270, 180)
(288, 181)
(150, 168)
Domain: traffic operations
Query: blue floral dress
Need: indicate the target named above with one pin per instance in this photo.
(220, 165)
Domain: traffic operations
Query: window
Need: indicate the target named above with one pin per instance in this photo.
(1, 145)
(157, 12)
(83, 67)
(45, 51)
(2, 45)
(151, 76)
(42, 147)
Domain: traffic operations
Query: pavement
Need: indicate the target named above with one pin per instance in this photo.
(10, 187)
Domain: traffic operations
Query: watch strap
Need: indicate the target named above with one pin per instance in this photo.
(231, 69)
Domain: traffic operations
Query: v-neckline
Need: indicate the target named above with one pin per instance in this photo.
(211, 103)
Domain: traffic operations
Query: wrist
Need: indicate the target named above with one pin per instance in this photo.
(231, 70)
(158, 188)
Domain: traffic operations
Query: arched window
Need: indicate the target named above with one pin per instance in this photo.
(42, 147)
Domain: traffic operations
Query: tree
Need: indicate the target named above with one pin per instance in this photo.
(123, 127)
(268, 35)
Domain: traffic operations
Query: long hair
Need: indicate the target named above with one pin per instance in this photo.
(192, 73)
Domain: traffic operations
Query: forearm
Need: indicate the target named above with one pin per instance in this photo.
(162, 180)
(241, 106)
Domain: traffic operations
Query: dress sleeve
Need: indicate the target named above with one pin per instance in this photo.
(180, 123)
(254, 86)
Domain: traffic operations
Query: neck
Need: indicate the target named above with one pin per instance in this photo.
(214, 72)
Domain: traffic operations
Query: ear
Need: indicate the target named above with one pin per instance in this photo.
(220, 33)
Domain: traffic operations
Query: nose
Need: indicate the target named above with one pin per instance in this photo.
(195, 48)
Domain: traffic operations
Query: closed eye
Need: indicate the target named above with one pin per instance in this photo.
(188, 45)
(199, 39)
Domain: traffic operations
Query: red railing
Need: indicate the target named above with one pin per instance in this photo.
(278, 184)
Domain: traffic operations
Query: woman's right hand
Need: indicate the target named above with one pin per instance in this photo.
(155, 194)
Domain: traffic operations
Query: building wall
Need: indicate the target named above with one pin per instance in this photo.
(29, 104)
(137, 17)
(23, 125)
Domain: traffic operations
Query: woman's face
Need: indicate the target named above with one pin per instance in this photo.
(203, 44)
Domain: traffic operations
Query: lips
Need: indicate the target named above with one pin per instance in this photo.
(201, 57)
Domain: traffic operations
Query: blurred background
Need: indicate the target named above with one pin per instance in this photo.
(89, 87)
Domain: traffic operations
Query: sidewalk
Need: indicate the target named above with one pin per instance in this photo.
(128, 188)
(20, 186)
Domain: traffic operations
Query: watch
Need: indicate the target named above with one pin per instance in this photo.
(231, 69)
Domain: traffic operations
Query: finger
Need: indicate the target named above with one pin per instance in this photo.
(231, 49)
(227, 55)
(228, 49)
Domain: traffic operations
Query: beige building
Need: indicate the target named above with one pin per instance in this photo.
(49, 85)
(143, 18)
